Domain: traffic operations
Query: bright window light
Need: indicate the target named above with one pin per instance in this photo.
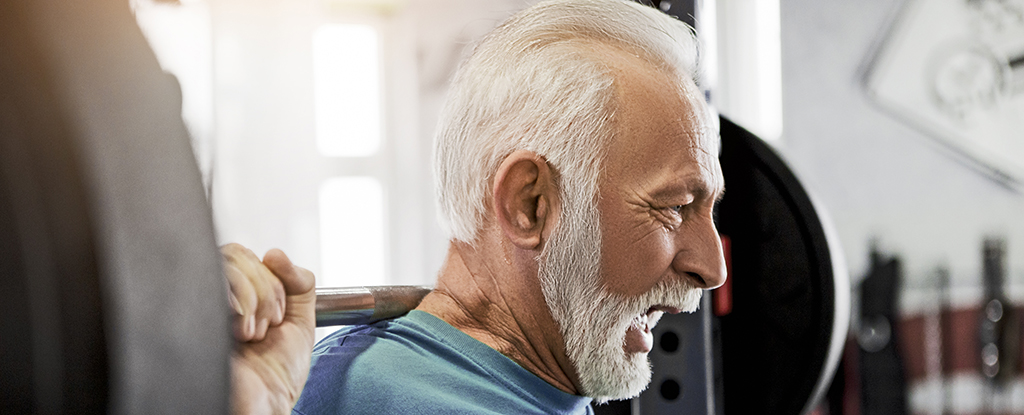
(769, 59)
(346, 76)
(749, 66)
(351, 232)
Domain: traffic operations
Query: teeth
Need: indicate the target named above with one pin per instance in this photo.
(642, 322)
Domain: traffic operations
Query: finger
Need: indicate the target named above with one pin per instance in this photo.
(261, 329)
(244, 295)
(271, 296)
(235, 253)
(299, 283)
(236, 307)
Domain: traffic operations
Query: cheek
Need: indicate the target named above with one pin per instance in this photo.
(632, 264)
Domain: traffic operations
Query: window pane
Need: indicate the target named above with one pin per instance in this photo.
(346, 78)
(351, 232)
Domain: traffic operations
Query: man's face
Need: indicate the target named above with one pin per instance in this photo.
(657, 241)
(658, 190)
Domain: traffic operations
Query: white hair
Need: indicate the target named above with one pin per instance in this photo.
(529, 85)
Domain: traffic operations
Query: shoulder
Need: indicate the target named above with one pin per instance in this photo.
(402, 367)
(388, 367)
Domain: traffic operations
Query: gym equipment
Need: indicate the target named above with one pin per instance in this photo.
(363, 305)
(783, 339)
(882, 385)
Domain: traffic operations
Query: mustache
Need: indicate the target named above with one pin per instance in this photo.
(669, 292)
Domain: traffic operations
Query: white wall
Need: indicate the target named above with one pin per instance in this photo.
(267, 170)
(879, 177)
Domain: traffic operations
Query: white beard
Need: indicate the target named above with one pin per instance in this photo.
(593, 321)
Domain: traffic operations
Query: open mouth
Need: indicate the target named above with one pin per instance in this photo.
(638, 336)
(664, 309)
(646, 320)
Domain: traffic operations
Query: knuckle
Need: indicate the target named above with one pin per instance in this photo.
(231, 249)
(236, 252)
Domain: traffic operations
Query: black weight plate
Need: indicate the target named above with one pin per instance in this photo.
(777, 348)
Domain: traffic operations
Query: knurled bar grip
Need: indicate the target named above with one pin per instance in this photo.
(362, 305)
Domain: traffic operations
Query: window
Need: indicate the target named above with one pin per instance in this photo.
(347, 90)
(748, 88)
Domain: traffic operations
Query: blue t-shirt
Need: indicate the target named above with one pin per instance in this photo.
(418, 364)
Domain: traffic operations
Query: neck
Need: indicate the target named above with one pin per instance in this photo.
(498, 302)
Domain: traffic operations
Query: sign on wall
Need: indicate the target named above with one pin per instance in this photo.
(955, 70)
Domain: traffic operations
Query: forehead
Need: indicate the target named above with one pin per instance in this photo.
(662, 137)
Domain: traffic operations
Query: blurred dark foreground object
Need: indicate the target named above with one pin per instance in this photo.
(111, 299)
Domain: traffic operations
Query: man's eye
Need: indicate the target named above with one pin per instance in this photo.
(678, 208)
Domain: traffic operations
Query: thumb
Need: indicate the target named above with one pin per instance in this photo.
(296, 280)
(299, 286)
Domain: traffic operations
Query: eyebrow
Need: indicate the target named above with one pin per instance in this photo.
(705, 190)
(718, 184)
(692, 184)
(720, 195)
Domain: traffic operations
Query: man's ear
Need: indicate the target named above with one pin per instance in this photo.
(525, 198)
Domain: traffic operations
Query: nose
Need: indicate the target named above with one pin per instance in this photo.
(699, 255)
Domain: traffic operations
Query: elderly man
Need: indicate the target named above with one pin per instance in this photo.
(577, 172)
